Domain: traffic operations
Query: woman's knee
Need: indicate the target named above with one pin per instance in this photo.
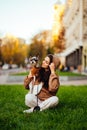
(28, 99)
(55, 100)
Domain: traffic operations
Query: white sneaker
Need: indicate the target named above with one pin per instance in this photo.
(28, 111)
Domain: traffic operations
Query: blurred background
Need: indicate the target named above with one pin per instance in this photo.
(53, 26)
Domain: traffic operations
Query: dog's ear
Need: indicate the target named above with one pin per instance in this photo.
(29, 58)
(37, 55)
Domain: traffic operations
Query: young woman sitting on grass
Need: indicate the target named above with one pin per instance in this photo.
(48, 83)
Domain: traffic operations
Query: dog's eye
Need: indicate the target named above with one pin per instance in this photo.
(33, 61)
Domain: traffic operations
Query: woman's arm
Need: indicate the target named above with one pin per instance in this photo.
(27, 80)
(53, 79)
(53, 83)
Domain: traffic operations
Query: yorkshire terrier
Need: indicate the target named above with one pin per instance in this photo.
(34, 61)
(34, 65)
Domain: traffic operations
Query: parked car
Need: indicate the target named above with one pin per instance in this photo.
(6, 66)
(14, 66)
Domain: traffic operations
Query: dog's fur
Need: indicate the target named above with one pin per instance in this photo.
(35, 67)
(34, 61)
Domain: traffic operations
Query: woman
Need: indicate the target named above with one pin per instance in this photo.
(47, 95)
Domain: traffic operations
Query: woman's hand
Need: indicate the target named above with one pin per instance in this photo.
(52, 68)
(30, 75)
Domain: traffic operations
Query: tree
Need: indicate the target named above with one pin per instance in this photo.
(59, 43)
(13, 50)
(1, 59)
(37, 48)
(40, 44)
(58, 31)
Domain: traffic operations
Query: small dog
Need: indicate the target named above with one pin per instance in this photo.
(35, 67)
(34, 61)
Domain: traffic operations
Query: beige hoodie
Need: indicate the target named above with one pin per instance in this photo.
(53, 84)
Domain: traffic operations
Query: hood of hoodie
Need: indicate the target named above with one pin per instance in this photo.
(56, 61)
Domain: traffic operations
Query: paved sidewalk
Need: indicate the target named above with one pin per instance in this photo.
(74, 82)
(3, 79)
(6, 79)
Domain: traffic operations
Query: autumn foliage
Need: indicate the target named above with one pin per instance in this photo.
(59, 43)
(13, 50)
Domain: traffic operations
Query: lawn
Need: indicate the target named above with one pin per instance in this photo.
(61, 73)
(70, 114)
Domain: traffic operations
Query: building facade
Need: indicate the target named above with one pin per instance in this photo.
(75, 23)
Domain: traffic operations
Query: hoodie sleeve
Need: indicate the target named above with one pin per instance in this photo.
(26, 82)
(53, 83)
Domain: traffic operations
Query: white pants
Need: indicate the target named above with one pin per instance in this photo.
(31, 101)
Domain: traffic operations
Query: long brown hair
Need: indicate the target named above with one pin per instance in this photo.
(45, 73)
(42, 74)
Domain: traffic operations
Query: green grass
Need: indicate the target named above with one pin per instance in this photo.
(58, 72)
(21, 73)
(70, 114)
(68, 73)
